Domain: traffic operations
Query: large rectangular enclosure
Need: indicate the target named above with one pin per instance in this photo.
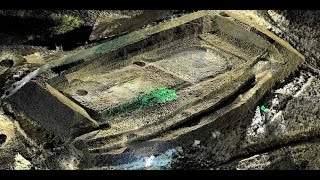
(164, 80)
(202, 49)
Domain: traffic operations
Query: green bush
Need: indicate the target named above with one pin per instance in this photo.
(65, 23)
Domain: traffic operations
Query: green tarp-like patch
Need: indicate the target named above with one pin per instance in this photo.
(155, 97)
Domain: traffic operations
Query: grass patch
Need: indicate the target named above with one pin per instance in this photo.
(65, 23)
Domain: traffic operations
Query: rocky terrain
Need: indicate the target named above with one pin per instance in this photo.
(284, 136)
(281, 132)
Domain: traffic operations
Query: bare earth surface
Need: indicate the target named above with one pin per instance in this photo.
(283, 135)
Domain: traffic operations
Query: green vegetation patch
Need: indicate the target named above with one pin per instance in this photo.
(155, 97)
(65, 23)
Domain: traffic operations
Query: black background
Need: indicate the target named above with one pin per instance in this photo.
(160, 4)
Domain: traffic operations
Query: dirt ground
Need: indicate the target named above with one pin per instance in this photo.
(285, 135)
